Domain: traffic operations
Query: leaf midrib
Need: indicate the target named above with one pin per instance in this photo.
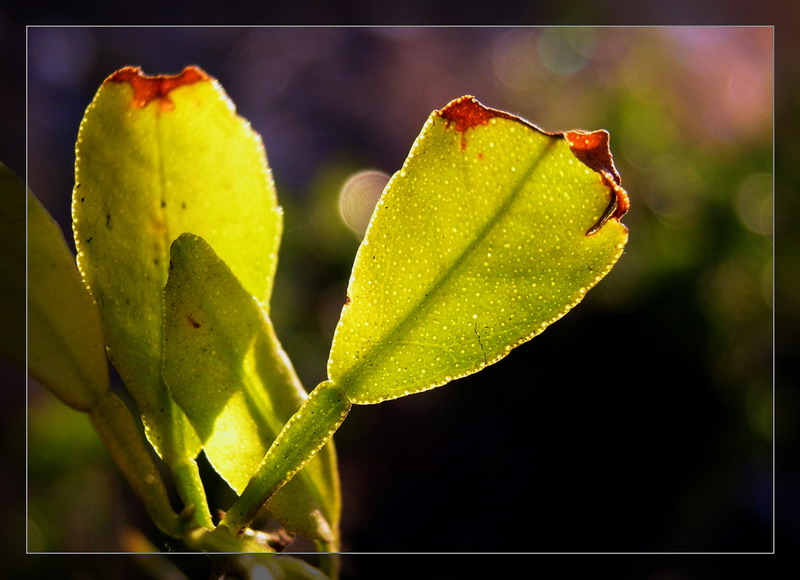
(427, 297)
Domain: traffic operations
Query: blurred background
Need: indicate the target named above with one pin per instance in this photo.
(641, 422)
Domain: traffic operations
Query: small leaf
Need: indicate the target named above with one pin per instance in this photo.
(156, 157)
(227, 371)
(491, 231)
(65, 343)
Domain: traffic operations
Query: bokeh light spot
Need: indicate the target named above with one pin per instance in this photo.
(358, 197)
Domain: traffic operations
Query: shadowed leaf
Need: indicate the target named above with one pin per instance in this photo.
(227, 371)
(65, 348)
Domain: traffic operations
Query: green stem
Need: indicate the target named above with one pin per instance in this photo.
(301, 438)
(122, 437)
(191, 491)
(329, 562)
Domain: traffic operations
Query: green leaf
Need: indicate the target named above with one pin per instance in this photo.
(12, 266)
(491, 231)
(156, 157)
(65, 342)
(227, 371)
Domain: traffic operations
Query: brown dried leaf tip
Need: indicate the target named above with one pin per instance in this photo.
(591, 148)
(466, 113)
(149, 88)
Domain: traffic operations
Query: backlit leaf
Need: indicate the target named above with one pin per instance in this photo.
(491, 231)
(227, 371)
(156, 157)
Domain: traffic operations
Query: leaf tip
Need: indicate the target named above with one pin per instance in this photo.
(592, 149)
(149, 88)
(467, 112)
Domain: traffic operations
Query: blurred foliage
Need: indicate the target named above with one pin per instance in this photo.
(659, 439)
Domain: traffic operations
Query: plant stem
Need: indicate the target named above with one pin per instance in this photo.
(122, 437)
(330, 563)
(191, 491)
(301, 438)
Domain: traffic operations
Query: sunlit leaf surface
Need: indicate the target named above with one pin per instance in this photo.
(156, 157)
(228, 372)
(491, 231)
